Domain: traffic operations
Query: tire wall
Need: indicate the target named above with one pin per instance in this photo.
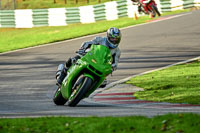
(28, 18)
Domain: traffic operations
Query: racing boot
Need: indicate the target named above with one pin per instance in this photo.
(61, 74)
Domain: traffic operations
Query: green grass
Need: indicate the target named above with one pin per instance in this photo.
(41, 4)
(12, 38)
(177, 84)
(176, 123)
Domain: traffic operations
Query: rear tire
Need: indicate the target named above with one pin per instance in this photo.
(58, 99)
(80, 88)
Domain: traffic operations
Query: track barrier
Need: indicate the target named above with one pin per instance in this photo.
(28, 18)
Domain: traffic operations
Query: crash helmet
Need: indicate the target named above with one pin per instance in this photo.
(113, 37)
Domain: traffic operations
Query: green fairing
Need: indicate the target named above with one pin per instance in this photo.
(96, 64)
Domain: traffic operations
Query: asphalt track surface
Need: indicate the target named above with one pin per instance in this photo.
(27, 77)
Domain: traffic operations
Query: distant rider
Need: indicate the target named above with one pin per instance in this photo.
(145, 5)
(140, 6)
(111, 41)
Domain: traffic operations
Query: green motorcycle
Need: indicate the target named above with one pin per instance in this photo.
(85, 76)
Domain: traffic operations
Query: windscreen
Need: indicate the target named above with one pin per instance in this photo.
(100, 54)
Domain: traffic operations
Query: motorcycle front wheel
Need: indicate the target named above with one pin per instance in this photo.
(155, 10)
(79, 89)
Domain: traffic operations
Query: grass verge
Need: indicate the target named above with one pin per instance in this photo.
(38, 4)
(171, 123)
(12, 38)
(177, 84)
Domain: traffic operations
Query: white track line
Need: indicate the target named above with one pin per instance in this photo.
(170, 17)
(128, 78)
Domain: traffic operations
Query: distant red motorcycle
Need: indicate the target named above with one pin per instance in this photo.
(148, 7)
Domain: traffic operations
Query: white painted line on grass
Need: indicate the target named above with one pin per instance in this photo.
(89, 99)
(128, 78)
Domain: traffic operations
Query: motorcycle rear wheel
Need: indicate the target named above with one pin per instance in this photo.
(58, 99)
(79, 90)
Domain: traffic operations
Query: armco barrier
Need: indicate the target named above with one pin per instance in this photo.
(28, 18)
(173, 5)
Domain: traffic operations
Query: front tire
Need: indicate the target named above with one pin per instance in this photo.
(79, 90)
(58, 99)
(155, 10)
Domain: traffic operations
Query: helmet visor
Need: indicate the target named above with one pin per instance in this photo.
(114, 40)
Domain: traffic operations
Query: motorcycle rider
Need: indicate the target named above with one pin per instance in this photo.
(145, 5)
(142, 7)
(111, 41)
